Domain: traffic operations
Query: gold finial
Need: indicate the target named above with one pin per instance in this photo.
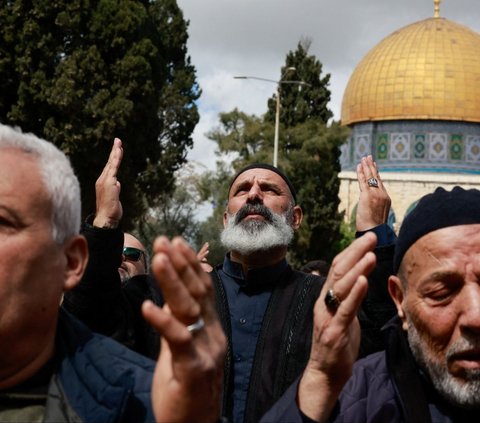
(436, 10)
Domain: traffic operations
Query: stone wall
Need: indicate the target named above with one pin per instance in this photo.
(404, 189)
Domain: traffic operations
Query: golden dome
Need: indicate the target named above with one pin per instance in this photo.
(426, 70)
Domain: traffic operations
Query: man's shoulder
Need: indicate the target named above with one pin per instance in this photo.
(370, 392)
(375, 363)
(77, 343)
(107, 373)
(307, 282)
(314, 279)
(370, 378)
(118, 354)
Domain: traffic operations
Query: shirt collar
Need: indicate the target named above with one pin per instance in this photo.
(256, 277)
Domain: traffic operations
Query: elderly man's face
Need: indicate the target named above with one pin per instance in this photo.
(33, 268)
(261, 186)
(441, 309)
(260, 215)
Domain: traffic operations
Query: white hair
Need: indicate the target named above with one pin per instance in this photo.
(253, 236)
(463, 392)
(59, 179)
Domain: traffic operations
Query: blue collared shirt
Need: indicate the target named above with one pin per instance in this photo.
(247, 301)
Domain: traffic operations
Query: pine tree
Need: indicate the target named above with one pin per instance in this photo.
(302, 102)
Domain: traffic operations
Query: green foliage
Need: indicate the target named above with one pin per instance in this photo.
(348, 236)
(313, 168)
(209, 230)
(308, 152)
(300, 103)
(241, 133)
(173, 214)
(80, 72)
(213, 187)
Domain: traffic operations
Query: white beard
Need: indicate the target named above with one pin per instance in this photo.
(248, 237)
(465, 392)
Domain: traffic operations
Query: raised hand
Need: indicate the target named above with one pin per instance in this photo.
(374, 202)
(107, 191)
(336, 333)
(203, 252)
(202, 256)
(188, 378)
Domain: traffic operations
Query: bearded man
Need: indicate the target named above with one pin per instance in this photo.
(430, 369)
(265, 306)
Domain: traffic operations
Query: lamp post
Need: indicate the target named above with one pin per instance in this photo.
(277, 104)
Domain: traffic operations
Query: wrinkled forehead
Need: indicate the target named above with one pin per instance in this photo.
(445, 248)
(249, 177)
(21, 185)
(20, 158)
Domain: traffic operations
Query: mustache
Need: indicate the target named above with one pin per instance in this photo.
(463, 346)
(256, 208)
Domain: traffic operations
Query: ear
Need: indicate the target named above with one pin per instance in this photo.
(76, 253)
(225, 216)
(297, 217)
(395, 288)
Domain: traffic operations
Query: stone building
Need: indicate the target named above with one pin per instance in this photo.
(413, 102)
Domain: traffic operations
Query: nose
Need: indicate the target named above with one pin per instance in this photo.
(255, 193)
(470, 308)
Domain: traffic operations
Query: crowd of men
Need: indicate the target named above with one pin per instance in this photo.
(251, 340)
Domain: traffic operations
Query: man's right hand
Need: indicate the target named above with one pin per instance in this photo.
(374, 202)
(188, 378)
(107, 191)
(336, 332)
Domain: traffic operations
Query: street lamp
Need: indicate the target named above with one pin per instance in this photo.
(277, 105)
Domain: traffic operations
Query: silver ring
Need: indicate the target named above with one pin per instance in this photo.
(373, 182)
(198, 325)
(332, 301)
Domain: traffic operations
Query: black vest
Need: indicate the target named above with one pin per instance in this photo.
(283, 346)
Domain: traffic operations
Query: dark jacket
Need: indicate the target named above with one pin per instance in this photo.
(103, 304)
(97, 379)
(386, 386)
(283, 345)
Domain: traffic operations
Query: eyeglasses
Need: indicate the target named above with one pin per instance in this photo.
(133, 254)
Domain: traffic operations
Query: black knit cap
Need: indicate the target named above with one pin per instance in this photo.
(268, 167)
(438, 210)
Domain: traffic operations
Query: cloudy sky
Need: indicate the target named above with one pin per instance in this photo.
(252, 37)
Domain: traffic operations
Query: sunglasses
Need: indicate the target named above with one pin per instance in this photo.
(133, 254)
